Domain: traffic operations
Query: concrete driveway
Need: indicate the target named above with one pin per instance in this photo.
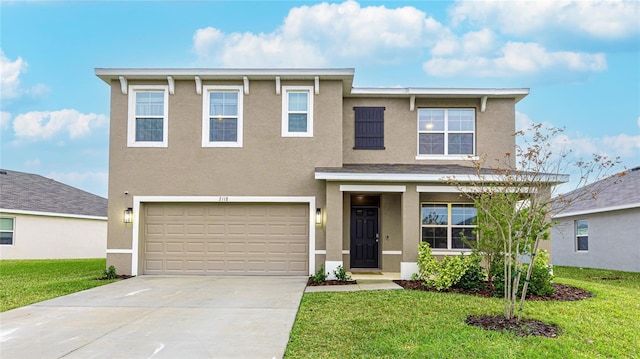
(159, 317)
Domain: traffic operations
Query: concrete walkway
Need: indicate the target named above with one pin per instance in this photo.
(368, 281)
(159, 317)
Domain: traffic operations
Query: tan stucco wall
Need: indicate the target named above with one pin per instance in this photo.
(45, 237)
(266, 165)
(494, 129)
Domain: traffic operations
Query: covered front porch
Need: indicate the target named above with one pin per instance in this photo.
(373, 217)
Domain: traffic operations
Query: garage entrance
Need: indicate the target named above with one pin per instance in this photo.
(224, 238)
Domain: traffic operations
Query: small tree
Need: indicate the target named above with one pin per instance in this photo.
(514, 199)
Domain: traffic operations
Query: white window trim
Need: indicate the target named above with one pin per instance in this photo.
(576, 236)
(463, 157)
(131, 128)
(285, 111)
(449, 250)
(13, 232)
(205, 115)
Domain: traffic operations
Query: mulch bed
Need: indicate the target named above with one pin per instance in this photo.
(311, 283)
(119, 276)
(524, 327)
(563, 293)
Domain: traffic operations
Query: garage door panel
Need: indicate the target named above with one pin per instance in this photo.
(195, 247)
(225, 239)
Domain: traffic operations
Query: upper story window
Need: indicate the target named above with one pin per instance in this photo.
(222, 116)
(7, 230)
(582, 235)
(446, 226)
(369, 128)
(446, 132)
(297, 111)
(148, 116)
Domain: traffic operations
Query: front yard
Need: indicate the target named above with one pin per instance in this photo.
(24, 282)
(417, 324)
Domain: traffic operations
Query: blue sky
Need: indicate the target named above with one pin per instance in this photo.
(581, 61)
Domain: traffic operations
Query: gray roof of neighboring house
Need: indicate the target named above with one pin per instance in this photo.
(621, 190)
(32, 192)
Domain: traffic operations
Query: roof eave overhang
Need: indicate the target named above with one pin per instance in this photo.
(421, 92)
(339, 74)
(421, 177)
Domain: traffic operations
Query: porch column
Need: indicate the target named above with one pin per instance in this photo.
(410, 232)
(333, 233)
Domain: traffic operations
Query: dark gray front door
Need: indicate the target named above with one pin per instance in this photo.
(364, 237)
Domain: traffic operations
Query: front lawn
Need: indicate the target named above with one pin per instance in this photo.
(418, 324)
(24, 282)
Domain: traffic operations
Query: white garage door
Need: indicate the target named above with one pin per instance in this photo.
(225, 239)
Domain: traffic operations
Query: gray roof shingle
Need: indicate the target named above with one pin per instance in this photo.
(32, 192)
(621, 189)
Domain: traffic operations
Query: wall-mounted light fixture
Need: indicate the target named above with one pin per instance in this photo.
(318, 215)
(128, 215)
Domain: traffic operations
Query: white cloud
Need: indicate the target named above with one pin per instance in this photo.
(10, 72)
(5, 120)
(94, 182)
(599, 19)
(10, 76)
(513, 59)
(316, 35)
(623, 144)
(46, 124)
(638, 121)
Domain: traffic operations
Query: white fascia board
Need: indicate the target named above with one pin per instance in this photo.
(420, 177)
(372, 188)
(517, 93)
(107, 74)
(597, 210)
(50, 214)
(472, 189)
(398, 177)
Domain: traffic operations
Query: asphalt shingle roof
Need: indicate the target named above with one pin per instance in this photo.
(32, 192)
(621, 189)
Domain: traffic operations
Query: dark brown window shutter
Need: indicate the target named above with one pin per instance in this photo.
(369, 128)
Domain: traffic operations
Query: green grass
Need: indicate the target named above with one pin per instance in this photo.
(416, 324)
(24, 282)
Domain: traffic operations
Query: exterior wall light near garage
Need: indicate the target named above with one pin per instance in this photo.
(128, 215)
(318, 215)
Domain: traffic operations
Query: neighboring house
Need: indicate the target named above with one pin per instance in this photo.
(280, 171)
(44, 219)
(601, 232)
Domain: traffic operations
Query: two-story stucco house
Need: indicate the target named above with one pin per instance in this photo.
(280, 171)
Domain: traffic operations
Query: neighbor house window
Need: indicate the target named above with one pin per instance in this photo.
(297, 111)
(448, 225)
(222, 116)
(7, 230)
(582, 235)
(148, 116)
(446, 132)
(369, 128)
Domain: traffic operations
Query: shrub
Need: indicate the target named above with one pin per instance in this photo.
(341, 274)
(474, 275)
(539, 283)
(110, 273)
(460, 271)
(320, 275)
